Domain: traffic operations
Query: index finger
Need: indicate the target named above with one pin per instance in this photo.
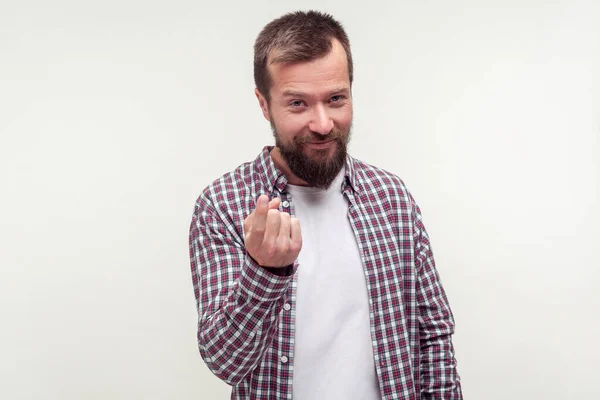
(274, 203)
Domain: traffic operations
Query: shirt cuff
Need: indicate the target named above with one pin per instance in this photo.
(283, 271)
(259, 283)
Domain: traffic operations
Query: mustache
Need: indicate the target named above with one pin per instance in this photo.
(313, 137)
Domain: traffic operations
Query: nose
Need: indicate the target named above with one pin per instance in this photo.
(320, 123)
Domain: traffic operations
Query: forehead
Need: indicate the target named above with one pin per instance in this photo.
(312, 77)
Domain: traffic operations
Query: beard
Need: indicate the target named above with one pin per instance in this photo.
(320, 169)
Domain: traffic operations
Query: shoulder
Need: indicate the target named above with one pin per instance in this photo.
(377, 181)
(230, 193)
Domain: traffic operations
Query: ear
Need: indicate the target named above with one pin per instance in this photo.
(264, 105)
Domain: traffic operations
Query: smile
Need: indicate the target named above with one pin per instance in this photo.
(320, 145)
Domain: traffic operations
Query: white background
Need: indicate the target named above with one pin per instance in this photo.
(114, 115)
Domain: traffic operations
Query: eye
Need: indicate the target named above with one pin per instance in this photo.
(296, 103)
(336, 98)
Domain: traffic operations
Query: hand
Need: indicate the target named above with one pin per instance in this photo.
(271, 237)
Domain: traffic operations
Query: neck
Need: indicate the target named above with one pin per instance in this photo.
(283, 167)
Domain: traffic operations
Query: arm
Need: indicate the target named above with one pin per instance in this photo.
(238, 301)
(438, 376)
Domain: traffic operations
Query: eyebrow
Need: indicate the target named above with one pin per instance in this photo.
(291, 93)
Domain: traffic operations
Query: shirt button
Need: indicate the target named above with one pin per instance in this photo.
(284, 359)
(285, 203)
(287, 307)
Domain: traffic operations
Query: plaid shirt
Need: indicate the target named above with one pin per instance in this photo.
(246, 314)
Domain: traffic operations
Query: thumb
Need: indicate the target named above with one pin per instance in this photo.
(263, 201)
(262, 205)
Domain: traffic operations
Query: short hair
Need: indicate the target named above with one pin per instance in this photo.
(296, 36)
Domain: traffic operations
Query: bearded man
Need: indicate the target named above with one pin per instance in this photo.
(348, 306)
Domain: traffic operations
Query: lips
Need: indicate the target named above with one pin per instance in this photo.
(320, 144)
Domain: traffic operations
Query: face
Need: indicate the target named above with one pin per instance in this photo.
(310, 112)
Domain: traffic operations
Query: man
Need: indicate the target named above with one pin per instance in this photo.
(348, 306)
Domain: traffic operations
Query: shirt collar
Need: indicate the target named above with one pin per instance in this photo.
(274, 179)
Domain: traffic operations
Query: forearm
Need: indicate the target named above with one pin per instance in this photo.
(439, 378)
(231, 349)
(238, 325)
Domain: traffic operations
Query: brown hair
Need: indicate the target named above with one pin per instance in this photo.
(296, 36)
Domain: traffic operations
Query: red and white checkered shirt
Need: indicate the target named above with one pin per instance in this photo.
(246, 335)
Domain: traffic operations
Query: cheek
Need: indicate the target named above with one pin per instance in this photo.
(291, 125)
(343, 117)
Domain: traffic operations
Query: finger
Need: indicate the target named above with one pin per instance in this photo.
(259, 216)
(295, 232)
(272, 229)
(274, 203)
(284, 226)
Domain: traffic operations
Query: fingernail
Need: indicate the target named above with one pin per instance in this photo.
(263, 201)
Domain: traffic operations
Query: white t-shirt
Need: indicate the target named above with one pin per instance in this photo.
(333, 356)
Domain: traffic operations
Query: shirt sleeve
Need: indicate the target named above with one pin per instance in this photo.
(238, 301)
(439, 378)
